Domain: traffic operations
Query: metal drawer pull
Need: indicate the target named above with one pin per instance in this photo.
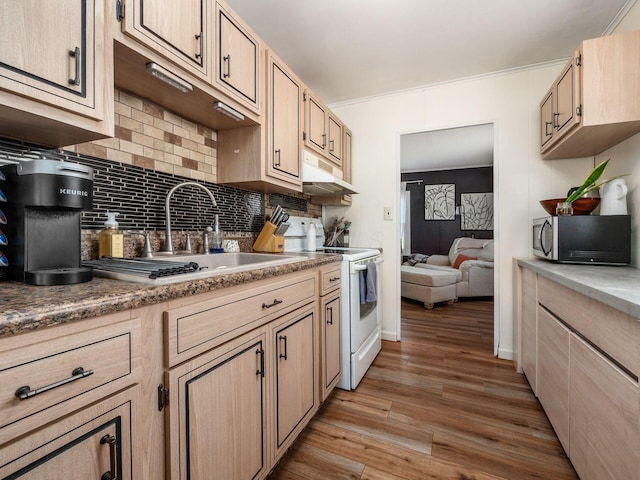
(330, 316)
(227, 58)
(275, 302)
(112, 441)
(334, 279)
(283, 355)
(75, 54)
(199, 37)
(260, 370)
(25, 392)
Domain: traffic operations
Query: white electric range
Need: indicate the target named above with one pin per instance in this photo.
(361, 323)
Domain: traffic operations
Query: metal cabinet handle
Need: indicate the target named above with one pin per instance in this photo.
(277, 156)
(227, 58)
(283, 355)
(324, 140)
(275, 302)
(75, 54)
(331, 145)
(25, 392)
(111, 474)
(260, 370)
(556, 124)
(546, 128)
(199, 36)
(334, 279)
(330, 316)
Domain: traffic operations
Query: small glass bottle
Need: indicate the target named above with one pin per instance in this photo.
(564, 208)
(345, 239)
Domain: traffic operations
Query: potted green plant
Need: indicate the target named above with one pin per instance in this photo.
(590, 184)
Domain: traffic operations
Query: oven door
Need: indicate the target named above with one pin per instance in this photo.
(364, 318)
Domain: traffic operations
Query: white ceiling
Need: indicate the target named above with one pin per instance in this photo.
(451, 148)
(348, 49)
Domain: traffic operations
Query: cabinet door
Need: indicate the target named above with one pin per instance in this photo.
(315, 124)
(86, 445)
(546, 119)
(285, 117)
(331, 351)
(49, 52)
(553, 373)
(334, 147)
(237, 59)
(605, 416)
(346, 163)
(567, 98)
(529, 347)
(217, 413)
(295, 374)
(176, 30)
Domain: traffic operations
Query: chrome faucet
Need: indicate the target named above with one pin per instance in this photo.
(168, 244)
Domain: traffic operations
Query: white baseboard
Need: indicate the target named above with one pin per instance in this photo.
(391, 336)
(505, 354)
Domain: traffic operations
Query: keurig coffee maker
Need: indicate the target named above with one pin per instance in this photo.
(45, 199)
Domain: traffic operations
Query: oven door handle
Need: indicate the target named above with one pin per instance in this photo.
(358, 267)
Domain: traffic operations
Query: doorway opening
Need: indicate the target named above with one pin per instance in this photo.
(446, 215)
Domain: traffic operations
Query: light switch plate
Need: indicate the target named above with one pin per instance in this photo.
(388, 213)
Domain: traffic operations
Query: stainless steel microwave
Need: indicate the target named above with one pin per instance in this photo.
(585, 239)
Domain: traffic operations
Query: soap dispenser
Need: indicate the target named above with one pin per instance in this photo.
(111, 240)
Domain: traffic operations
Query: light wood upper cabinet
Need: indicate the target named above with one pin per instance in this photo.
(238, 53)
(315, 134)
(323, 131)
(53, 66)
(179, 31)
(334, 147)
(267, 158)
(284, 122)
(593, 107)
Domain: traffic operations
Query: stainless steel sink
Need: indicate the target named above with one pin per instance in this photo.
(208, 266)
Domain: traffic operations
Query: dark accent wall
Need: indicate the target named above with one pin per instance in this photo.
(435, 236)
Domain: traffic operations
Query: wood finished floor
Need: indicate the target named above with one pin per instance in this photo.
(437, 405)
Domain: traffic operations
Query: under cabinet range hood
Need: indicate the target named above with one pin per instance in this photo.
(318, 182)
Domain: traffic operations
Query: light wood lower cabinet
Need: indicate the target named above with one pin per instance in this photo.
(605, 416)
(218, 413)
(295, 375)
(95, 443)
(553, 373)
(331, 343)
(586, 356)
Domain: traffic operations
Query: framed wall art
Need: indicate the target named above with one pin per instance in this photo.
(440, 202)
(476, 210)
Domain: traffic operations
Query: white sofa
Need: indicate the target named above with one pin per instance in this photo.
(474, 277)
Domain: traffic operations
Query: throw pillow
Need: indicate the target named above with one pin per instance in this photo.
(461, 258)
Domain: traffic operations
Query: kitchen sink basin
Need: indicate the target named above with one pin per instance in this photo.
(138, 270)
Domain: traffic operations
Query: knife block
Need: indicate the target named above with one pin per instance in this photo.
(267, 241)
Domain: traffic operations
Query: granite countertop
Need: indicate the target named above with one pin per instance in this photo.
(27, 307)
(618, 287)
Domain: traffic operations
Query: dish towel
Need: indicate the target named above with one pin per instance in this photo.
(368, 279)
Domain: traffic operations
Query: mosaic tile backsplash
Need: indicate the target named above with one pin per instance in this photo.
(152, 151)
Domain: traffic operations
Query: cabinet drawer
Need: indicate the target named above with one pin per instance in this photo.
(608, 329)
(196, 328)
(331, 278)
(63, 374)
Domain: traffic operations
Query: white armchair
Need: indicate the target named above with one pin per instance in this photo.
(474, 276)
